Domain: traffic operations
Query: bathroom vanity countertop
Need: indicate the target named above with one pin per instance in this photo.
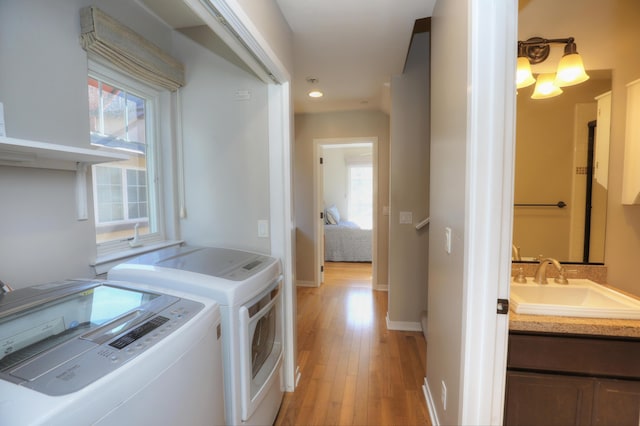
(576, 325)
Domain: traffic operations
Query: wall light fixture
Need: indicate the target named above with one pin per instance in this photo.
(536, 50)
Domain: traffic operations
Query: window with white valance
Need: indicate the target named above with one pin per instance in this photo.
(126, 77)
(108, 39)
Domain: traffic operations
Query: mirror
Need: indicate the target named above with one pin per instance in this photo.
(556, 140)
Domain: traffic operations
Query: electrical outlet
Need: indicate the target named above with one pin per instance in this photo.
(263, 228)
(443, 395)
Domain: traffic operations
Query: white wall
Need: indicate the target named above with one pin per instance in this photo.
(43, 73)
(40, 238)
(43, 86)
(448, 174)
(409, 186)
(225, 152)
(334, 172)
(472, 141)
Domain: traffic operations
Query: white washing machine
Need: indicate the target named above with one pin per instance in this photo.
(248, 287)
(94, 352)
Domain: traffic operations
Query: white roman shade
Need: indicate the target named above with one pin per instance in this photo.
(109, 39)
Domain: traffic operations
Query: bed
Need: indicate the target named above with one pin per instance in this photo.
(345, 241)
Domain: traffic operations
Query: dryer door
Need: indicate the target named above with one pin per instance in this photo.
(261, 346)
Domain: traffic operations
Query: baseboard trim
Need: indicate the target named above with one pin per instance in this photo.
(431, 407)
(424, 323)
(381, 287)
(403, 325)
(301, 283)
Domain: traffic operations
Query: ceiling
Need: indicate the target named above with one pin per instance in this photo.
(352, 47)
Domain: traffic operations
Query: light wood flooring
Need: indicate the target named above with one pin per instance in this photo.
(353, 370)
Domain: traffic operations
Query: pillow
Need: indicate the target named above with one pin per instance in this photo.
(332, 214)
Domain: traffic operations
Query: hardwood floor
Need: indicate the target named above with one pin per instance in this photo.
(353, 370)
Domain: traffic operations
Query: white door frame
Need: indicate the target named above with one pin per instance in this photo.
(318, 204)
(492, 40)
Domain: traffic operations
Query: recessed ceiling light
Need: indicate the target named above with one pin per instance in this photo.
(316, 94)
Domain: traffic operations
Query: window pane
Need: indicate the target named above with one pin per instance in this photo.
(94, 106)
(109, 194)
(136, 120)
(113, 101)
(142, 193)
(361, 195)
(137, 192)
(117, 117)
(118, 120)
(132, 178)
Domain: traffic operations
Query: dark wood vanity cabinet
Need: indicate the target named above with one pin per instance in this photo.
(572, 380)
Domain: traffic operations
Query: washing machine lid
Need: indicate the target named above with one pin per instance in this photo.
(228, 276)
(235, 265)
(57, 338)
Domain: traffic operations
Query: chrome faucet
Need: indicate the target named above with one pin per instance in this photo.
(541, 273)
(515, 253)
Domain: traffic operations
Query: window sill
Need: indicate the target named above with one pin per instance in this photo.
(103, 264)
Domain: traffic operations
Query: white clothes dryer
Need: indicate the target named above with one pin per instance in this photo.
(248, 287)
(82, 352)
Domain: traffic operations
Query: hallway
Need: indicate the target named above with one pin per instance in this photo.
(353, 370)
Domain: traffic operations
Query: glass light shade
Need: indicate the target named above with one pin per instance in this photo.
(524, 77)
(316, 94)
(570, 71)
(545, 87)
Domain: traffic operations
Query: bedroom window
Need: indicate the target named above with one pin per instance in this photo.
(360, 195)
(125, 193)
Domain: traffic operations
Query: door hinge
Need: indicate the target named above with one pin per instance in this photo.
(503, 306)
(321, 160)
(321, 268)
(321, 215)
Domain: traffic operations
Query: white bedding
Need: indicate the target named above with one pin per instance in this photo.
(346, 242)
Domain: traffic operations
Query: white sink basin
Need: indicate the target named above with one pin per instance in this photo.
(580, 298)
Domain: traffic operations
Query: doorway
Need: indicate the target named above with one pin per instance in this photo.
(342, 168)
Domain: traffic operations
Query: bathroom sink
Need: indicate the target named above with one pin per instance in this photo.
(580, 298)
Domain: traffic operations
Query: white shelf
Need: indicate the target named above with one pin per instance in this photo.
(26, 153)
(43, 155)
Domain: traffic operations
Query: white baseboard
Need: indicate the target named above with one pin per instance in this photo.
(424, 323)
(300, 283)
(381, 287)
(403, 325)
(431, 406)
